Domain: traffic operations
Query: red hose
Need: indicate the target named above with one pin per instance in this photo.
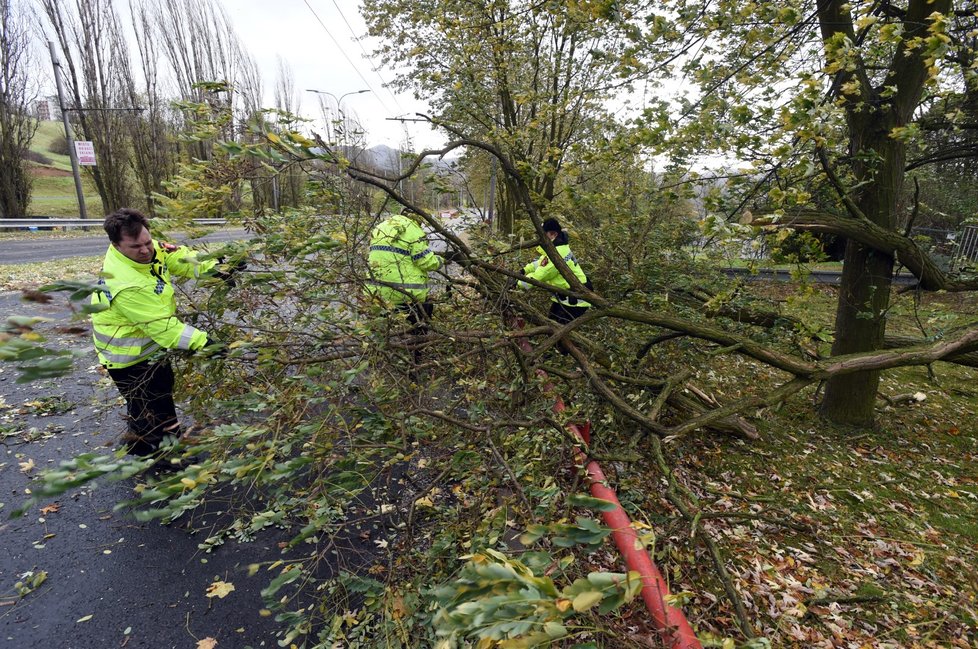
(671, 624)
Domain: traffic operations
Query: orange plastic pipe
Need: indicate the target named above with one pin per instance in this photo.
(672, 626)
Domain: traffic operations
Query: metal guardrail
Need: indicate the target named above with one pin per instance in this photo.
(77, 223)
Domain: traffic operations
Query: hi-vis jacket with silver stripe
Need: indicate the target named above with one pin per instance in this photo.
(140, 320)
(399, 261)
(543, 270)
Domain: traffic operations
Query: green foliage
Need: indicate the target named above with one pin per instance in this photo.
(20, 344)
(498, 598)
(789, 247)
(584, 531)
(30, 581)
(59, 145)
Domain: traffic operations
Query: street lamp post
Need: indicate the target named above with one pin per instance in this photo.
(339, 100)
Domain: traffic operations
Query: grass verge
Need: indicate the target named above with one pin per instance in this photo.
(18, 277)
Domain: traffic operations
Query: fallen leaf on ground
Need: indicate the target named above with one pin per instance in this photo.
(206, 643)
(50, 509)
(26, 467)
(220, 589)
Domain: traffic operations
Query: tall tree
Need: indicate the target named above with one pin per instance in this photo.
(200, 45)
(522, 77)
(17, 125)
(287, 103)
(96, 55)
(822, 92)
(154, 141)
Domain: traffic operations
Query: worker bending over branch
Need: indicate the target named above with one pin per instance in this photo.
(137, 324)
(563, 309)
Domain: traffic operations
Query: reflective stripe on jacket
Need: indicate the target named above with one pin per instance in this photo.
(543, 270)
(140, 318)
(399, 261)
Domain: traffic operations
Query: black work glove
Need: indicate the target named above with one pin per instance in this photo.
(451, 256)
(511, 283)
(227, 273)
(213, 350)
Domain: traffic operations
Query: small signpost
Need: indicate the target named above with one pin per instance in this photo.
(85, 152)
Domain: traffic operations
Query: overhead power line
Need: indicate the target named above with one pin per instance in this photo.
(346, 56)
(367, 56)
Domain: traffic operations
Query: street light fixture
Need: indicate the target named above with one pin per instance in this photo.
(338, 100)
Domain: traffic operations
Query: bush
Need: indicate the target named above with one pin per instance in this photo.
(39, 158)
(59, 146)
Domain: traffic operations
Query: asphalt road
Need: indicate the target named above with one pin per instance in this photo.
(113, 581)
(33, 250)
(833, 277)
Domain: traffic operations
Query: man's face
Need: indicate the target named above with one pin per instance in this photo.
(139, 248)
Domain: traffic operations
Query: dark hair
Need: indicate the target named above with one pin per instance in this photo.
(551, 225)
(125, 221)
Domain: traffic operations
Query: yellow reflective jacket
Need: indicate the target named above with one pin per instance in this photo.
(543, 270)
(140, 319)
(399, 261)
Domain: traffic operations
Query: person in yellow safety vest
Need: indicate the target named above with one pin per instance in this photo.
(137, 324)
(563, 309)
(399, 262)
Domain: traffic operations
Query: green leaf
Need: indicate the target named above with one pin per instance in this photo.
(555, 630)
(586, 600)
(287, 577)
(590, 502)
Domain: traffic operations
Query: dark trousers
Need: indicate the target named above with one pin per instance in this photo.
(418, 315)
(148, 390)
(563, 314)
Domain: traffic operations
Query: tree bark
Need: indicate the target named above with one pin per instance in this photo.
(878, 164)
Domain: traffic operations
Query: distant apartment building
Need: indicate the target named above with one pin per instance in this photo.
(42, 109)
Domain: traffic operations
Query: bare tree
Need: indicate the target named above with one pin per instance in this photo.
(292, 179)
(286, 97)
(89, 35)
(17, 126)
(154, 143)
(200, 44)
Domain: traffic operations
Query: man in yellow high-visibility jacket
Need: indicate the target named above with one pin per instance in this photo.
(399, 263)
(563, 309)
(137, 324)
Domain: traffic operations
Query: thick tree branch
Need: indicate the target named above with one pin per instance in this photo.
(864, 231)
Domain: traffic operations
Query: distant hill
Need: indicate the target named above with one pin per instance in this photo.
(47, 132)
(387, 159)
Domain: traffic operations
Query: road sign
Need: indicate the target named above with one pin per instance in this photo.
(85, 152)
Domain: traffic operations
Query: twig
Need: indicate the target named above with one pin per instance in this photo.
(711, 546)
(843, 599)
(408, 528)
(512, 477)
(647, 347)
(798, 527)
(671, 384)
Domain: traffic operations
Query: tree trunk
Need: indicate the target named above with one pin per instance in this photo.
(878, 166)
(860, 326)
(506, 206)
(864, 293)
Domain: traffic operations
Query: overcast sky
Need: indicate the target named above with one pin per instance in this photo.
(327, 57)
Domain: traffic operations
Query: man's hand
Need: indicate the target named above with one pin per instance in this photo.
(169, 247)
(213, 350)
(226, 274)
(451, 256)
